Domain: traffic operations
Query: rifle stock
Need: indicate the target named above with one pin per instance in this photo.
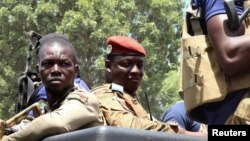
(37, 109)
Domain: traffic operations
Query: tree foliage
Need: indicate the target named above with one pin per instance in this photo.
(156, 24)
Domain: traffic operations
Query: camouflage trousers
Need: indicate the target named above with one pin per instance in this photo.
(241, 115)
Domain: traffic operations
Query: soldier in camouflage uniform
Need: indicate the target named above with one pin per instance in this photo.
(70, 108)
(124, 72)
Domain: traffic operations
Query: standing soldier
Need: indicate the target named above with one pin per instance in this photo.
(215, 65)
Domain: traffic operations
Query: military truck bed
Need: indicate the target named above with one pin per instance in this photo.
(108, 133)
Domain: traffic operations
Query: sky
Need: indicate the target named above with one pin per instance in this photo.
(186, 1)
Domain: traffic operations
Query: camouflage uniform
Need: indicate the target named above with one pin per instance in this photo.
(122, 110)
(78, 110)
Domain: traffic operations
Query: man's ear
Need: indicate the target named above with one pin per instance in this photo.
(37, 68)
(77, 70)
(108, 65)
(108, 73)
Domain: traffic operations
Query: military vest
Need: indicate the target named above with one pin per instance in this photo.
(201, 78)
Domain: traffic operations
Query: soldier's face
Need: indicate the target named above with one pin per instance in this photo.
(56, 68)
(127, 71)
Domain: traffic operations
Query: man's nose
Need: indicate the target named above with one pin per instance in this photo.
(135, 69)
(56, 68)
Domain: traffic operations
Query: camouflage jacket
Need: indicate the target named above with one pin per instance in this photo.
(79, 110)
(122, 110)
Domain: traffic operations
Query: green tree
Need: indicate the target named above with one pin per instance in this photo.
(156, 24)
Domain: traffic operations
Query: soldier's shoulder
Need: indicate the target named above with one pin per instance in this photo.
(101, 89)
(78, 91)
(106, 96)
(80, 94)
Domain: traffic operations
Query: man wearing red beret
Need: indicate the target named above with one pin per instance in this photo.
(124, 72)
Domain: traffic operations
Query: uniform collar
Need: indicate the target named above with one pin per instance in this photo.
(116, 87)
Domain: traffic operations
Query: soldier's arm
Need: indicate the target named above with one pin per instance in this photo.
(72, 115)
(116, 115)
(232, 47)
(128, 120)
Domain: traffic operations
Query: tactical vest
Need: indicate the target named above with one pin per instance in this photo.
(201, 78)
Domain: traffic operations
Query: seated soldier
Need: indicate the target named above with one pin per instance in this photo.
(69, 108)
(124, 72)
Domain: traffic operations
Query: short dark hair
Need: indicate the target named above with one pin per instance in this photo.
(59, 38)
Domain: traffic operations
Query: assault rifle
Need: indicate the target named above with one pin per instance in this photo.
(26, 80)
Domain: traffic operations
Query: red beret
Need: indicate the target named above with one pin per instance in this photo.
(125, 45)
